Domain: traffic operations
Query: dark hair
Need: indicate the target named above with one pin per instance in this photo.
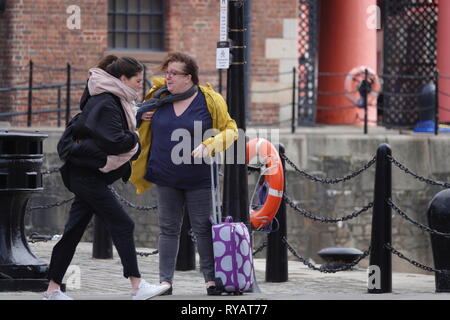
(127, 66)
(190, 65)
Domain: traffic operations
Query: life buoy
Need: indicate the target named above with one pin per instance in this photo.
(353, 82)
(263, 153)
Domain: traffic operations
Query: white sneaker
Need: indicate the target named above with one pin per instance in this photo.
(147, 291)
(56, 295)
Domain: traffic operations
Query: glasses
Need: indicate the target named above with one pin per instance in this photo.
(174, 73)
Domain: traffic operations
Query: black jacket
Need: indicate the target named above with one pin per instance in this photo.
(101, 131)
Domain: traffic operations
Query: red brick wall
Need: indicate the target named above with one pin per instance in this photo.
(267, 22)
(193, 27)
(39, 32)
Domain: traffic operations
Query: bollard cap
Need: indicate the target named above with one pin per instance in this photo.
(339, 254)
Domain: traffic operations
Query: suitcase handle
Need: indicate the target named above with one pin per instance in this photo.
(215, 190)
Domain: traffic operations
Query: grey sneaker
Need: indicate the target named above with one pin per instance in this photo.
(147, 291)
(56, 295)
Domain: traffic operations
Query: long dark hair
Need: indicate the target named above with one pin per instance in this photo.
(117, 67)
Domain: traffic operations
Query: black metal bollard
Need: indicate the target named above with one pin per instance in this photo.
(276, 257)
(21, 157)
(102, 244)
(380, 257)
(186, 251)
(439, 219)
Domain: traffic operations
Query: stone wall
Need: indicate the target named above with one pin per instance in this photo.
(322, 154)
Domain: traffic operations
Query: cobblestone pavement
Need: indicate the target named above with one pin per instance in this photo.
(102, 279)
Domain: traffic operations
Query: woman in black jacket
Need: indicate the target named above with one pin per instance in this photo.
(105, 141)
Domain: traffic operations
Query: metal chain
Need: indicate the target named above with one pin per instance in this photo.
(48, 206)
(322, 268)
(261, 248)
(129, 204)
(328, 180)
(51, 170)
(325, 219)
(413, 262)
(146, 254)
(418, 224)
(415, 175)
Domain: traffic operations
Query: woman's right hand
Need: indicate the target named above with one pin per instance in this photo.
(147, 116)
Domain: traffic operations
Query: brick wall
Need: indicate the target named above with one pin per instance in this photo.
(37, 30)
(193, 27)
(268, 23)
(39, 33)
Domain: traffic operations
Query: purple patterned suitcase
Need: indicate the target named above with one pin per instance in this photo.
(233, 260)
(233, 256)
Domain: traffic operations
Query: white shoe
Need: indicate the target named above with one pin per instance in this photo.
(56, 295)
(147, 291)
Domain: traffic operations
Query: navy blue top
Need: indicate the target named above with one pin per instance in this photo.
(170, 163)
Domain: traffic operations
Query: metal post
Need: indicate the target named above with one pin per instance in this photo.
(30, 94)
(186, 251)
(277, 259)
(439, 219)
(220, 80)
(144, 83)
(436, 105)
(102, 244)
(380, 256)
(21, 158)
(294, 70)
(59, 106)
(68, 84)
(365, 93)
(235, 195)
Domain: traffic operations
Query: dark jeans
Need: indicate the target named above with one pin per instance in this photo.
(170, 213)
(92, 196)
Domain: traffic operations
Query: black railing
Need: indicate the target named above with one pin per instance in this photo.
(65, 100)
(276, 114)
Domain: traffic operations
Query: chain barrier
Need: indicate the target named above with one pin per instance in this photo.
(417, 224)
(146, 254)
(261, 248)
(328, 180)
(323, 268)
(415, 175)
(130, 204)
(310, 215)
(52, 205)
(51, 170)
(413, 262)
(116, 194)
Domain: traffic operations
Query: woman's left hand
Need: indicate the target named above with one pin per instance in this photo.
(200, 152)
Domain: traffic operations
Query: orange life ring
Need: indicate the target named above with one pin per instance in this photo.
(266, 154)
(353, 81)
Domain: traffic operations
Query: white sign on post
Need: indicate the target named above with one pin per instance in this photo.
(223, 55)
(223, 46)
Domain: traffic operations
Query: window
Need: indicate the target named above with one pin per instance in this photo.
(136, 24)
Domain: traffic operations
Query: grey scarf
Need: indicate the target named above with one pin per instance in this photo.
(157, 101)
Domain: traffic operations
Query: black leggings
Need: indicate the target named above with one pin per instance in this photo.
(92, 196)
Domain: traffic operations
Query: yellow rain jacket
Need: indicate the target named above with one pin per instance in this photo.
(221, 121)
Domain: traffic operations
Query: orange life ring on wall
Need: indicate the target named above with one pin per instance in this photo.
(262, 152)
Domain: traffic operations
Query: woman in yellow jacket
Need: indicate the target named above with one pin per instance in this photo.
(175, 118)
